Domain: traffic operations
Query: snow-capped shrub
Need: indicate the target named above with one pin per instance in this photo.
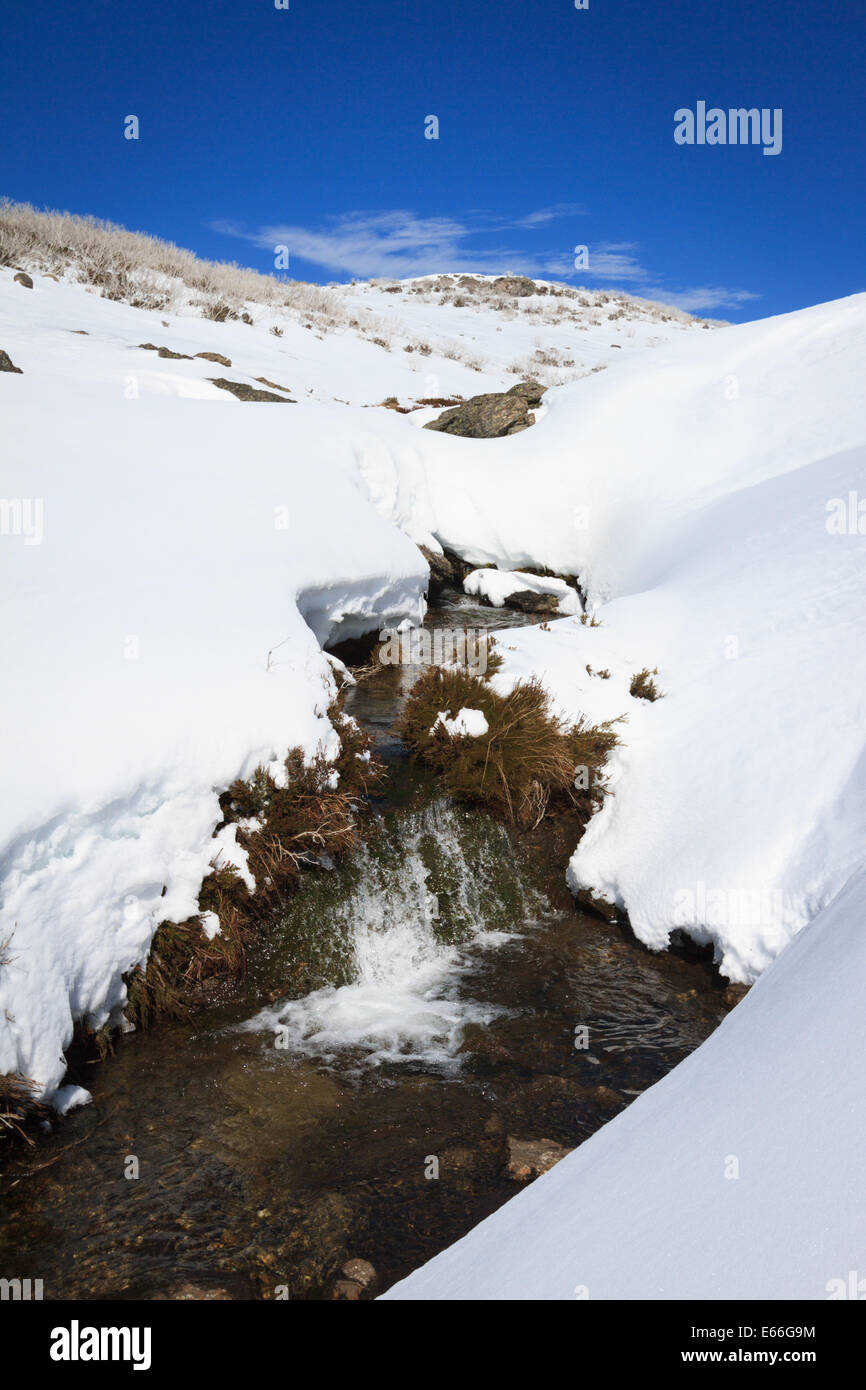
(527, 761)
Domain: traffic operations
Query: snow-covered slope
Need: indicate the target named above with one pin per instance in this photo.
(738, 1176)
(697, 491)
(158, 646)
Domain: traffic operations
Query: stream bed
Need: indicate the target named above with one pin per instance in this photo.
(251, 1153)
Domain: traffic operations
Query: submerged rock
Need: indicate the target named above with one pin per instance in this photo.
(529, 1158)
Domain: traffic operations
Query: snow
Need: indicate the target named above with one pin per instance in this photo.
(468, 723)
(497, 585)
(195, 552)
(695, 493)
(735, 1177)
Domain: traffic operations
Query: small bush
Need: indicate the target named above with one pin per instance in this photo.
(19, 1108)
(643, 687)
(528, 761)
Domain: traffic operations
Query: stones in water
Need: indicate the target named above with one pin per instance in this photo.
(359, 1280)
(529, 1158)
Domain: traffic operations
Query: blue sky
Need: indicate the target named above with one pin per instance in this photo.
(305, 127)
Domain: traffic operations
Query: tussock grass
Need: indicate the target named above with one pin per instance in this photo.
(19, 1108)
(527, 763)
(286, 825)
(643, 687)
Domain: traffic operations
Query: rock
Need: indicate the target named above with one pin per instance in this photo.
(529, 1158)
(606, 1096)
(528, 601)
(490, 416)
(188, 1292)
(7, 365)
(441, 568)
(245, 318)
(215, 357)
(247, 393)
(167, 352)
(733, 993)
(23, 279)
(361, 1272)
(529, 391)
(346, 1291)
(518, 285)
(274, 384)
(597, 906)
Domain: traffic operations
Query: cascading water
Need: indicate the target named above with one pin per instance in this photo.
(434, 887)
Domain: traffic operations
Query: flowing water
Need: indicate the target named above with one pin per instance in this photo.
(253, 1153)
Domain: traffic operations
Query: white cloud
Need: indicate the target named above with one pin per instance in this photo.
(399, 244)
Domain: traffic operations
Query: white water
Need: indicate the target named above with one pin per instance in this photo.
(404, 1001)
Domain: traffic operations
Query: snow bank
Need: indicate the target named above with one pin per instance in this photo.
(738, 1176)
(703, 495)
(177, 558)
(497, 585)
(162, 627)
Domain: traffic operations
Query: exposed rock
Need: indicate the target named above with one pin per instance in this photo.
(23, 279)
(441, 568)
(245, 318)
(529, 1158)
(529, 391)
(7, 365)
(518, 285)
(215, 357)
(167, 352)
(733, 993)
(275, 384)
(484, 417)
(528, 601)
(585, 898)
(245, 392)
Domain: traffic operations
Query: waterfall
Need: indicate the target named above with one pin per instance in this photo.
(410, 912)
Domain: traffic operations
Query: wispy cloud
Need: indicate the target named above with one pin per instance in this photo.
(398, 244)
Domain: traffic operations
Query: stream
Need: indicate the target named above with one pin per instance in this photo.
(251, 1153)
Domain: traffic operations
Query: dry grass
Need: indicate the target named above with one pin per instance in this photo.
(528, 762)
(643, 687)
(285, 830)
(19, 1108)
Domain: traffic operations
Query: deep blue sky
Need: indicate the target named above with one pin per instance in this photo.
(556, 129)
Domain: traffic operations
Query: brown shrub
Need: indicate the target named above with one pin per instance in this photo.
(529, 760)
